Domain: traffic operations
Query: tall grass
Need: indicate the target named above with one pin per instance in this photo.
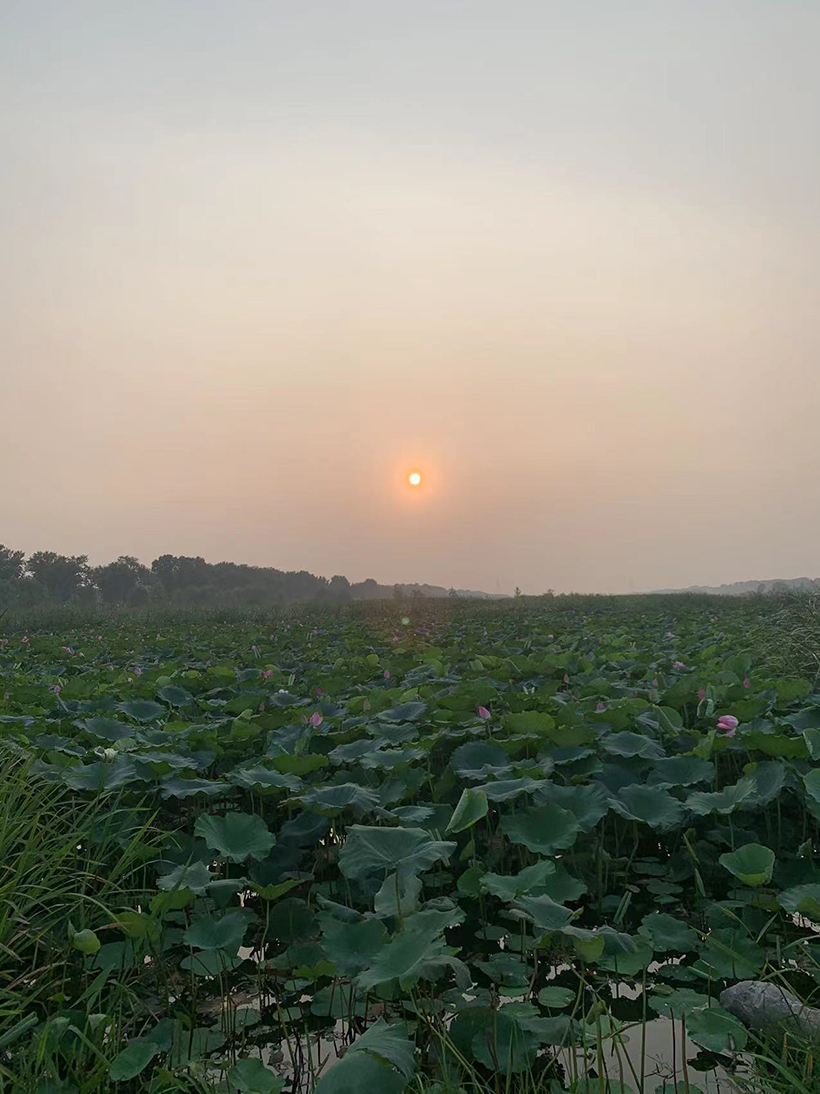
(65, 865)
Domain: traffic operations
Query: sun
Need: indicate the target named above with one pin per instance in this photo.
(414, 478)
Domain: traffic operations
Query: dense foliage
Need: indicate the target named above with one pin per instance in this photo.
(50, 578)
(476, 843)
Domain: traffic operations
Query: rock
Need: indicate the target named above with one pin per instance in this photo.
(761, 1005)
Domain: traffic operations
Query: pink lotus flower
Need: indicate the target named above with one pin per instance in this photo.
(320, 691)
(387, 674)
(747, 683)
(600, 706)
(701, 693)
(57, 689)
(655, 682)
(550, 636)
(25, 639)
(483, 713)
(137, 670)
(316, 719)
(566, 677)
(728, 723)
(110, 668)
(266, 674)
(366, 704)
(679, 665)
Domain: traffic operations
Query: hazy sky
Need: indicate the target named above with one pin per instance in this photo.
(262, 259)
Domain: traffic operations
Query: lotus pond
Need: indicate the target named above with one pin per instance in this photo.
(434, 846)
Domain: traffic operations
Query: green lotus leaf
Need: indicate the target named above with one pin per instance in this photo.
(512, 1041)
(731, 955)
(177, 787)
(369, 851)
(629, 964)
(767, 781)
(633, 744)
(716, 1030)
(406, 712)
(338, 1000)
(803, 900)
(263, 779)
(174, 696)
(555, 997)
(502, 790)
(252, 1077)
(702, 803)
(544, 912)
(189, 1045)
(416, 952)
(529, 722)
(477, 760)
(588, 802)
(106, 729)
(330, 801)
(649, 805)
(381, 1059)
(529, 879)
(235, 836)
(210, 962)
(677, 1003)
(195, 877)
(351, 946)
(398, 896)
(752, 864)
(223, 933)
(668, 934)
(593, 944)
(292, 920)
(811, 781)
(472, 806)
(543, 829)
(133, 1059)
(142, 710)
(681, 771)
(101, 776)
(85, 941)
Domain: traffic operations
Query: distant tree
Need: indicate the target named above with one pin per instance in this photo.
(164, 569)
(398, 592)
(339, 588)
(11, 563)
(416, 594)
(452, 592)
(517, 591)
(180, 571)
(366, 590)
(62, 576)
(118, 580)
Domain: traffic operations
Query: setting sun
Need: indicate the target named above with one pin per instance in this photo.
(414, 478)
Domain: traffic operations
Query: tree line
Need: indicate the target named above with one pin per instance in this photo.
(46, 577)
